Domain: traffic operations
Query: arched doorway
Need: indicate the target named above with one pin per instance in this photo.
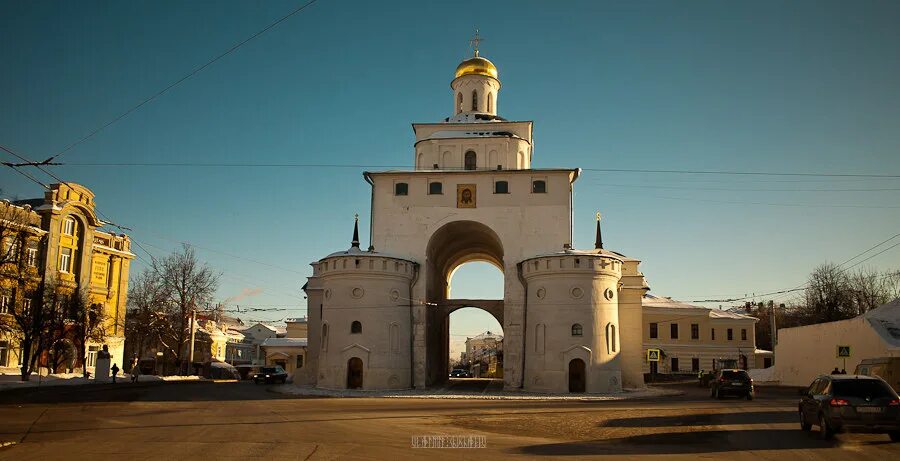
(450, 247)
(355, 373)
(576, 376)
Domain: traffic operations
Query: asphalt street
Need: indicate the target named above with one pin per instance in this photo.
(229, 420)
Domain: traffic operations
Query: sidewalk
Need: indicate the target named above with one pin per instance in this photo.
(10, 378)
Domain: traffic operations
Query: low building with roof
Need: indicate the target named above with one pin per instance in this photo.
(811, 350)
(288, 353)
(694, 338)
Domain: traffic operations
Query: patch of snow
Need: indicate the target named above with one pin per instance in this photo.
(762, 375)
(308, 390)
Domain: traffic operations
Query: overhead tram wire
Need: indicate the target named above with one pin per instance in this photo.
(602, 170)
(803, 286)
(183, 78)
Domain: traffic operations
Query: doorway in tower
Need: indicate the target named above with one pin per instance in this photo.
(355, 373)
(576, 376)
(465, 283)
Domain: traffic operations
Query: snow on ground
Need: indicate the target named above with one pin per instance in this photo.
(307, 390)
(762, 375)
(10, 379)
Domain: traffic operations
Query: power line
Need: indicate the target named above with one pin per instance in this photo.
(803, 286)
(726, 189)
(182, 79)
(605, 170)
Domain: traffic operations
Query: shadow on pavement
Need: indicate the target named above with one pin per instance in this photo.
(706, 419)
(183, 391)
(685, 443)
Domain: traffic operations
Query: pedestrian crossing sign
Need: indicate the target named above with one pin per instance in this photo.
(653, 355)
(843, 352)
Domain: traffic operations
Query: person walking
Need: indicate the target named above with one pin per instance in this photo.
(115, 371)
(135, 371)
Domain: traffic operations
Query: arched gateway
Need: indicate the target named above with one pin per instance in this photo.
(474, 196)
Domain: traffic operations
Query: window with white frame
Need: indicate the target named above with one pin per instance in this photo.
(69, 226)
(31, 257)
(65, 260)
(5, 303)
(92, 355)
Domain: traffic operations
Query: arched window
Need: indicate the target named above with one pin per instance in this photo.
(474, 101)
(69, 226)
(401, 188)
(501, 187)
(576, 329)
(490, 103)
(435, 188)
(470, 160)
(610, 338)
(324, 336)
(459, 99)
(539, 187)
(356, 327)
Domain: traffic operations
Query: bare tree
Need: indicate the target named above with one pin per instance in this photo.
(189, 284)
(150, 318)
(21, 283)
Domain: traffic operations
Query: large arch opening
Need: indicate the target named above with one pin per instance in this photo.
(475, 360)
(469, 254)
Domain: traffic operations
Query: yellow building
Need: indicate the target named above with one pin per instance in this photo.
(57, 238)
(693, 338)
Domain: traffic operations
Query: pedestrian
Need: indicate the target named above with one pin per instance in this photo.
(843, 371)
(835, 371)
(115, 371)
(135, 371)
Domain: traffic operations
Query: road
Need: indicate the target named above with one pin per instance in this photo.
(211, 421)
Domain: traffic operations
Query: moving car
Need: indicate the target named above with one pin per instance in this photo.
(460, 373)
(731, 382)
(268, 375)
(850, 403)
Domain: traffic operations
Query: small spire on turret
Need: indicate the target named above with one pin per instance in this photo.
(598, 241)
(355, 242)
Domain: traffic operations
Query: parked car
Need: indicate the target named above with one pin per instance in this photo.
(850, 403)
(460, 373)
(731, 382)
(268, 375)
(886, 368)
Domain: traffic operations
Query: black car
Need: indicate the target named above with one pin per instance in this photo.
(850, 403)
(270, 375)
(460, 373)
(731, 382)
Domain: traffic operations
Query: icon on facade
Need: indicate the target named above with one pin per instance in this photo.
(465, 195)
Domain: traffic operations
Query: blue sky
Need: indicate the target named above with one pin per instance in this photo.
(754, 86)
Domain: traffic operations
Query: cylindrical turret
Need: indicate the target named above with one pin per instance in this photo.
(573, 322)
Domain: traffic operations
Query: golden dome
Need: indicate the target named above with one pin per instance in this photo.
(476, 66)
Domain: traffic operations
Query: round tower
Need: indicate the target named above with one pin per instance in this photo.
(364, 337)
(573, 337)
(476, 85)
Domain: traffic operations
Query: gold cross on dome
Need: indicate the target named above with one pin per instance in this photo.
(475, 41)
(599, 216)
(356, 216)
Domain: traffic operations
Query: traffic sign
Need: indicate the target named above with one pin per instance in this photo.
(653, 355)
(843, 352)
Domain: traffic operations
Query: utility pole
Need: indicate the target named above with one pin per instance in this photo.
(193, 329)
(774, 331)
